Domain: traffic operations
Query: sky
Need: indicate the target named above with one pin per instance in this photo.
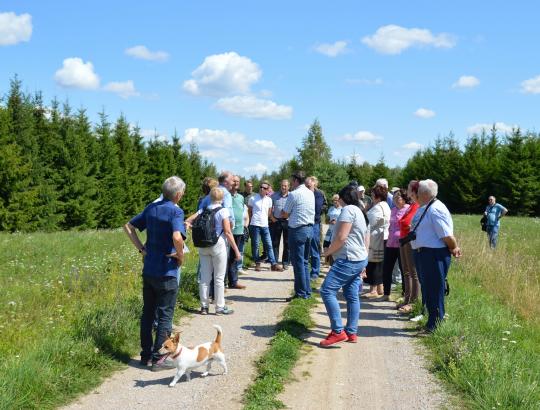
(244, 80)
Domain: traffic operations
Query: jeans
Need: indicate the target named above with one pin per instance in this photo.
(493, 234)
(315, 251)
(159, 299)
(278, 228)
(433, 267)
(343, 274)
(232, 264)
(299, 242)
(264, 231)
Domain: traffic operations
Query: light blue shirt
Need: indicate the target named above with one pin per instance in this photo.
(227, 203)
(300, 206)
(436, 224)
(278, 202)
(494, 214)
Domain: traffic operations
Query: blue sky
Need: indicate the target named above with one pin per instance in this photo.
(244, 79)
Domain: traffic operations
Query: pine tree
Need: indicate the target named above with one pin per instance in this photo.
(314, 149)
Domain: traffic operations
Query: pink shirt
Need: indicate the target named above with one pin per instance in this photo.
(393, 230)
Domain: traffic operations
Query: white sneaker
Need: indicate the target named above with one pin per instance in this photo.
(241, 272)
(416, 318)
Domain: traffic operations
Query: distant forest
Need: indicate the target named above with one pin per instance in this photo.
(60, 171)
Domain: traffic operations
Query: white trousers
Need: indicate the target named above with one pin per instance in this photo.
(213, 260)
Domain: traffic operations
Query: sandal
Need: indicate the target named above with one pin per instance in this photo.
(406, 309)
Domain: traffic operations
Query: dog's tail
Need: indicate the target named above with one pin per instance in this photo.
(219, 333)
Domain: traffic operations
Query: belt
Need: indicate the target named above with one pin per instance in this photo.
(301, 226)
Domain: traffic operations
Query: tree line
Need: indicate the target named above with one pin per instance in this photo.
(59, 171)
(507, 167)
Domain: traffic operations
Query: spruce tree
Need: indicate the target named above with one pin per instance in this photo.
(314, 149)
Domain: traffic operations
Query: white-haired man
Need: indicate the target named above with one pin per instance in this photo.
(163, 254)
(434, 245)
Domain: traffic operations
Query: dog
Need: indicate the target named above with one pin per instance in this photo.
(188, 358)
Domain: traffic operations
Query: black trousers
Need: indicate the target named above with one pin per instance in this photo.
(278, 228)
(391, 255)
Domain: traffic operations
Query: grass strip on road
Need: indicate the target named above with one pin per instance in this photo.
(275, 366)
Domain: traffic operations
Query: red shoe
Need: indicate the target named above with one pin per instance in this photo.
(333, 338)
(352, 337)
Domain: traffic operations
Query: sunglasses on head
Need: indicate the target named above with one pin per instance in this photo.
(265, 187)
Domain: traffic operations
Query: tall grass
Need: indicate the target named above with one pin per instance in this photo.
(489, 348)
(69, 312)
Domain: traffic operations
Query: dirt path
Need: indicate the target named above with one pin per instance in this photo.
(385, 370)
(245, 336)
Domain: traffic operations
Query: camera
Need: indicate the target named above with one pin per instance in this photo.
(411, 236)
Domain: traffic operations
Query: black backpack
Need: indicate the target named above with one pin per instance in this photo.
(203, 230)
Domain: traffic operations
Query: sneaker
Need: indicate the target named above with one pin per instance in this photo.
(352, 337)
(225, 311)
(204, 310)
(333, 338)
(237, 286)
(417, 318)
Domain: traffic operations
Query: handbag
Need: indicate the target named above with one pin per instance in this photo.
(483, 223)
(411, 236)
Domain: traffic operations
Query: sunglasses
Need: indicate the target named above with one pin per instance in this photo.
(265, 187)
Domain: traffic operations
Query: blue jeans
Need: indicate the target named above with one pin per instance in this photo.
(264, 231)
(299, 242)
(315, 251)
(159, 300)
(343, 274)
(493, 234)
(433, 267)
(232, 263)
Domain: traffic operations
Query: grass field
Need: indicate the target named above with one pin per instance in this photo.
(69, 311)
(70, 305)
(488, 351)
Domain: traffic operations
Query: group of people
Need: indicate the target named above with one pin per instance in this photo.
(366, 236)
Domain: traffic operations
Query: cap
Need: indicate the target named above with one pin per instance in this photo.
(360, 188)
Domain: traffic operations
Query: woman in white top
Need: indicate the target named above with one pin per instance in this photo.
(379, 222)
(214, 258)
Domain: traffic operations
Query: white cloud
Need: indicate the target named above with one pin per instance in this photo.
(332, 50)
(143, 53)
(500, 126)
(531, 86)
(364, 81)
(413, 146)
(15, 28)
(227, 144)
(424, 113)
(356, 157)
(252, 107)
(393, 39)
(75, 73)
(222, 75)
(361, 136)
(466, 81)
(258, 168)
(124, 89)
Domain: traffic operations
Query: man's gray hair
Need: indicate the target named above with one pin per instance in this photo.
(428, 186)
(172, 186)
(223, 176)
(382, 182)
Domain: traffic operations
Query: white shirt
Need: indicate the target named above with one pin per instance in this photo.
(259, 210)
(379, 219)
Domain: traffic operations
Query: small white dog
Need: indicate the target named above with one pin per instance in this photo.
(189, 358)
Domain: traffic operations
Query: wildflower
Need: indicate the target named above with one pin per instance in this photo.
(96, 350)
(12, 303)
(506, 332)
(513, 341)
(504, 339)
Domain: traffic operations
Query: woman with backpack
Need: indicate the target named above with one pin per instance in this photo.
(211, 228)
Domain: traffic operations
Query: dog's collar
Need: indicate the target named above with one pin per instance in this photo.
(177, 354)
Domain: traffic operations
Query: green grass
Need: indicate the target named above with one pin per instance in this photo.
(488, 351)
(275, 366)
(69, 312)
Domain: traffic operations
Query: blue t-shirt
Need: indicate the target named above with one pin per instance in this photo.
(160, 219)
(494, 214)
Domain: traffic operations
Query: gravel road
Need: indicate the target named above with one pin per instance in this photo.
(385, 370)
(246, 334)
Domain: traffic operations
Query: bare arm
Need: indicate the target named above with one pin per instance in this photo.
(230, 238)
(340, 238)
(504, 212)
(451, 242)
(131, 232)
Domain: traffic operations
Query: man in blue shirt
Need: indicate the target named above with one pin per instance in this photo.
(493, 213)
(163, 254)
(315, 246)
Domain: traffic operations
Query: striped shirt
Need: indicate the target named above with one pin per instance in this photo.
(300, 206)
